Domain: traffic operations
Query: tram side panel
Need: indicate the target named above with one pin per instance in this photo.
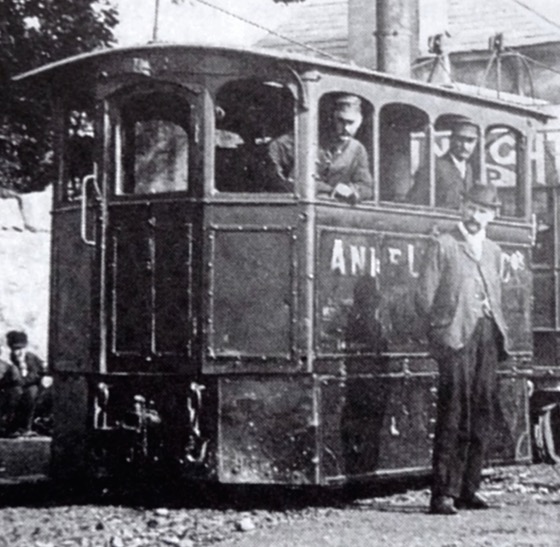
(379, 387)
(70, 340)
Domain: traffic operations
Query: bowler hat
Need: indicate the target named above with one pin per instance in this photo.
(16, 339)
(482, 194)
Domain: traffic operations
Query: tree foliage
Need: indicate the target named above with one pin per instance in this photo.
(32, 33)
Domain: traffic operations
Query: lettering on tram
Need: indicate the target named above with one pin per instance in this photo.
(367, 293)
(502, 153)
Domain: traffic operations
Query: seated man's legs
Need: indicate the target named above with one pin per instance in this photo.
(25, 409)
(9, 401)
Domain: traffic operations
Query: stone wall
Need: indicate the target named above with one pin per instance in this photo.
(24, 268)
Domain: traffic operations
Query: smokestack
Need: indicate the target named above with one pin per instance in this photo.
(395, 21)
(383, 34)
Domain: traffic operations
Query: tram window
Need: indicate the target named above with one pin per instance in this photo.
(345, 145)
(502, 150)
(155, 147)
(403, 148)
(254, 137)
(78, 152)
(543, 209)
(546, 178)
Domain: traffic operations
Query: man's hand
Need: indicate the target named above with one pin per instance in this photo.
(346, 192)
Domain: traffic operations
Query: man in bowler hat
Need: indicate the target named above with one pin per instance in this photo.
(20, 385)
(459, 293)
(453, 171)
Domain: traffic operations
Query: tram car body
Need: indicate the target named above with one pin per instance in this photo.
(211, 326)
(545, 377)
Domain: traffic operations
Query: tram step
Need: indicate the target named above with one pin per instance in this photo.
(24, 457)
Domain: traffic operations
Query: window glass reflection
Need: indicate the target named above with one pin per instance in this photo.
(155, 145)
(403, 149)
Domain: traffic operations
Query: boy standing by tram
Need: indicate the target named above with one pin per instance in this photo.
(459, 291)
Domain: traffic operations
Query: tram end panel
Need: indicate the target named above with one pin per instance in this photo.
(267, 430)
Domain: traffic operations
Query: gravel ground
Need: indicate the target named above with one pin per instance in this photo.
(525, 512)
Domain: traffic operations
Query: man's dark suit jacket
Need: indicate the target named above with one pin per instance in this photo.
(449, 183)
(449, 291)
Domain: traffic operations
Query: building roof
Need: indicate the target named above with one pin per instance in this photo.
(323, 24)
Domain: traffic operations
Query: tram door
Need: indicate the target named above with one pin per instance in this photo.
(149, 257)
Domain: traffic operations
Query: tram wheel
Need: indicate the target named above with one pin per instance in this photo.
(547, 434)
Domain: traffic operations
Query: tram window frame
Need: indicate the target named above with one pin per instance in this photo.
(158, 105)
(78, 128)
(364, 134)
(413, 120)
(545, 196)
(510, 208)
(250, 114)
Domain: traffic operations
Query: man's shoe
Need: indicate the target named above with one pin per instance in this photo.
(442, 505)
(472, 502)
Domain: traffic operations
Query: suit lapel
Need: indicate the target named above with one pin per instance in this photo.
(463, 245)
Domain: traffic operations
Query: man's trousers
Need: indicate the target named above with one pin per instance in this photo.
(466, 395)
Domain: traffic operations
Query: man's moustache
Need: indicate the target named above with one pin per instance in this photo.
(471, 222)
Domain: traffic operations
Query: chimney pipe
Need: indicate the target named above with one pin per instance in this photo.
(395, 19)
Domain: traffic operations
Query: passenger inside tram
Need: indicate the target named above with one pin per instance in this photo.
(343, 168)
(454, 173)
(342, 164)
(249, 116)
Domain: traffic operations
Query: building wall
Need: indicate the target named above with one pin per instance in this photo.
(24, 268)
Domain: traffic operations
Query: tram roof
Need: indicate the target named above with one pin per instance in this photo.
(485, 96)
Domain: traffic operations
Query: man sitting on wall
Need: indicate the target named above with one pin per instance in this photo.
(20, 386)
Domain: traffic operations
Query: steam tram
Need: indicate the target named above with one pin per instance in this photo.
(210, 325)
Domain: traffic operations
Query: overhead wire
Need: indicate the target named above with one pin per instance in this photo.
(526, 59)
(537, 13)
(315, 50)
